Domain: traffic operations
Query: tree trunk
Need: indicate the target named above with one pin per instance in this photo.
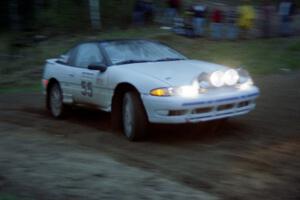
(94, 6)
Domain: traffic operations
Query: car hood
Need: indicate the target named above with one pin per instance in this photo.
(175, 73)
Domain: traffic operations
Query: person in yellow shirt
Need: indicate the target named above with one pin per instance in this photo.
(246, 18)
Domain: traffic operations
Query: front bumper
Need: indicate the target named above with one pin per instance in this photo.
(206, 107)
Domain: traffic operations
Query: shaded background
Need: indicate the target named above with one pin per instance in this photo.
(74, 15)
(252, 157)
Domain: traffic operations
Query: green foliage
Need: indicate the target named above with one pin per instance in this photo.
(73, 15)
(116, 13)
(294, 47)
(67, 15)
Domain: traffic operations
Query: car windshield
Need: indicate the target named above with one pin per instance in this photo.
(138, 51)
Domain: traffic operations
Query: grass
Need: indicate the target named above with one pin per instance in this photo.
(7, 197)
(23, 70)
(258, 56)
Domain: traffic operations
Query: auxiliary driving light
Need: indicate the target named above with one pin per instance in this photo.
(217, 78)
(231, 77)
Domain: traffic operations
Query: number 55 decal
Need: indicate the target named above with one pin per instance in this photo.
(87, 88)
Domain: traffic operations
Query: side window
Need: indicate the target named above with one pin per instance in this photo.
(72, 55)
(86, 55)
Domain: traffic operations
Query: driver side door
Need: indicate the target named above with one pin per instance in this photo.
(90, 84)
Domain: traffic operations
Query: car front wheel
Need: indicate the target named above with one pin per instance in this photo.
(134, 117)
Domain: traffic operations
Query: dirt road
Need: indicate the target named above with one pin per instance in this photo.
(252, 157)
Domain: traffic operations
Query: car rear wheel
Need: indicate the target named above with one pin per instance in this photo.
(133, 117)
(56, 106)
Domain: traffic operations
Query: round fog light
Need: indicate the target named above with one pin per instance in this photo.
(231, 77)
(216, 79)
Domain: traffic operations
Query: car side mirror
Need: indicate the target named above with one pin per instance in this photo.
(63, 58)
(97, 66)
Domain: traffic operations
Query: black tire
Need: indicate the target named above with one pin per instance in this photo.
(54, 101)
(134, 118)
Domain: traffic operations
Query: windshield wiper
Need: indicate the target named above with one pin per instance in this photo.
(131, 61)
(168, 59)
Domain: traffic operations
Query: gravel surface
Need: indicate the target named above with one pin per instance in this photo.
(256, 156)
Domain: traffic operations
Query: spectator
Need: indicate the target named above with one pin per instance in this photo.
(231, 23)
(179, 26)
(139, 13)
(148, 11)
(199, 12)
(188, 22)
(172, 11)
(286, 11)
(176, 5)
(266, 18)
(246, 18)
(216, 26)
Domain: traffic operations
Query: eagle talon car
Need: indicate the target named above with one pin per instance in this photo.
(142, 81)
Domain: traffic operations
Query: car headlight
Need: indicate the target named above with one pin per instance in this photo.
(246, 84)
(217, 78)
(231, 77)
(245, 81)
(188, 91)
(244, 76)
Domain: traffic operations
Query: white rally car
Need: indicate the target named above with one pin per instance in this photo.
(142, 82)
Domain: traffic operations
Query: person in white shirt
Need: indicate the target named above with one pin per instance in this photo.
(199, 18)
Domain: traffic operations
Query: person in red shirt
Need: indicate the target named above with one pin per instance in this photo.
(175, 4)
(216, 26)
(217, 16)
